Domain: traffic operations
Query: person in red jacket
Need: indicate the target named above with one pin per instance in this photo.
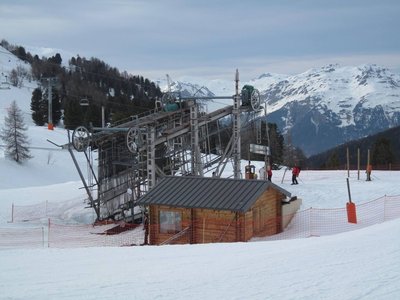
(295, 174)
(269, 173)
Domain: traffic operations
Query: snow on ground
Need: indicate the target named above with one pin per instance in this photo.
(343, 266)
(361, 264)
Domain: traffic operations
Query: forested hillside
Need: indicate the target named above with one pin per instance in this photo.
(81, 87)
(384, 152)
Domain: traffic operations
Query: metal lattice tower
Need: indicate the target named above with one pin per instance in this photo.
(174, 139)
(236, 130)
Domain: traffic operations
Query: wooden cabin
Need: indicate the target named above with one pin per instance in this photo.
(193, 210)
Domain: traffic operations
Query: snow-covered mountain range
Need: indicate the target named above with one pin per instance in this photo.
(319, 109)
(324, 107)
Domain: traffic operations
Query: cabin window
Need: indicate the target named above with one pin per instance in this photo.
(170, 221)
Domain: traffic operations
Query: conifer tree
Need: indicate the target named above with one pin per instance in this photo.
(382, 153)
(38, 107)
(73, 116)
(13, 135)
(333, 161)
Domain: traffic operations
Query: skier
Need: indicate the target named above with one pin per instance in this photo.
(269, 173)
(295, 174)
(368, 171)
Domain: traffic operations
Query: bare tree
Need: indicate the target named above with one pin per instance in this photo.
(13, 135)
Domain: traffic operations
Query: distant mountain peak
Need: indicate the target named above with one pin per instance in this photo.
(265, 75)
(323, 107)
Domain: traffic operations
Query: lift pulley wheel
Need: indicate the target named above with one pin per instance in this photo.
(80, 138)
(251, 97)
(133, 140)
(255, 99)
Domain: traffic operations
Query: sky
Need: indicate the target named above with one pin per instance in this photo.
(348, 265)
(211, 38)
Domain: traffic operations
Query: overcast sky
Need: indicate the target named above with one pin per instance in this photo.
(211, 38)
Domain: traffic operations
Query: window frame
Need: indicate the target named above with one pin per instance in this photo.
(170, 221)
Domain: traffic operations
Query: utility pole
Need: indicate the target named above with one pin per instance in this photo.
(50, 125)
(151, 160)
(268, 152)
(197, 167)
(358, 163)
(50, 82)
(348, 162)
(103, 121)
(236, 130)
(368, 170)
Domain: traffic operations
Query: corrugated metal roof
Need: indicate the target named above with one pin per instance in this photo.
(207, 193)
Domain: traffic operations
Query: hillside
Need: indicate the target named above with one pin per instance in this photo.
(74, 81)
(328, 267)
(50, 164)
(324, 159)
(319, 109)
(323, 107)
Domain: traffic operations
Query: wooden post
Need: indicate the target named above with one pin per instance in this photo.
(368, 170)
(358, 163)
(348, 162)
(48, 233)
(44, 245)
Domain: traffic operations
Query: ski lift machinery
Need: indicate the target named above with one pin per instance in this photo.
(136, 135)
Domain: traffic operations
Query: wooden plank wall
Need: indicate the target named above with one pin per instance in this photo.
(264, 218)
(214, 226)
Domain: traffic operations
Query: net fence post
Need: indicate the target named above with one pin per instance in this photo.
(48, 233)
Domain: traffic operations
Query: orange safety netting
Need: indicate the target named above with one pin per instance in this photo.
(45, 209)
(306, 223)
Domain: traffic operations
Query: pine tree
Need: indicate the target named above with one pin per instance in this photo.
(382, 153)
(38, 107)
(333, 161)
(276, 142)
(13, 135)
(73, 116)
(56, 107)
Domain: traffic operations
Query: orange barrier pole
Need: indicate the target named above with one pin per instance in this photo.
(350, 207)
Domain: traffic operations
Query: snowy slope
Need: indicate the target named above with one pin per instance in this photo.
(347, 266)
(344, 266)
(50, 165)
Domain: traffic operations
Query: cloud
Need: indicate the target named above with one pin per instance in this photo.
(210, 38)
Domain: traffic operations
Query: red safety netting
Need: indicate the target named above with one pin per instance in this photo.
(45, 209)
(322, 222)
(311, 222)
(74, 236)
(22, 237)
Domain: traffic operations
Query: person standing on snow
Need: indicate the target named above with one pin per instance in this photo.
(368, 171)
(269, 173)
(295, 174)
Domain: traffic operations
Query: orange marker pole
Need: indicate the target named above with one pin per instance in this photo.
(351, 207)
